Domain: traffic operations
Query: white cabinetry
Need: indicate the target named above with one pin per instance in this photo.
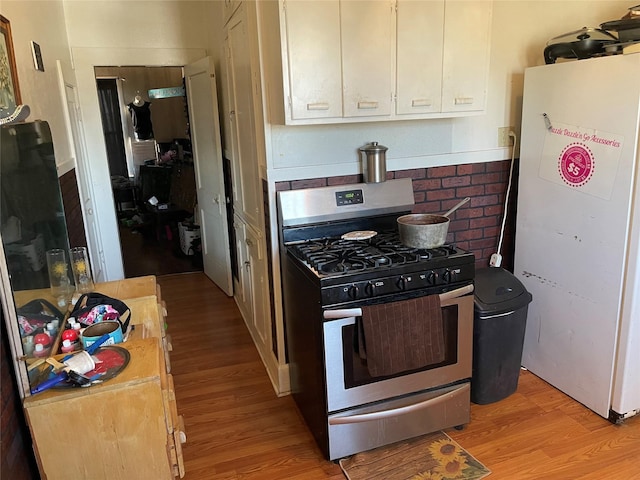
(419, 61)
(337, 58)
(247, 198)
(312, 47)
(465, 63)
(242, 289)
(244, 121)
(368, 31)
(349, 60)
(252, 290)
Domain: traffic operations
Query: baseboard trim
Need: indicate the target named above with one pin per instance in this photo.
(278, 374)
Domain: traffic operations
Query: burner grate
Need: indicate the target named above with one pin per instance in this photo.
(338, 255)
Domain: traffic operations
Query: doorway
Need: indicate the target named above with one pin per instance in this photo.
(151, 169)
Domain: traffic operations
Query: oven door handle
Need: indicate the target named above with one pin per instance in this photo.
(357, 312)
(384, 414)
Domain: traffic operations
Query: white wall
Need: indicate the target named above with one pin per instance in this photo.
(135, 24)
(520, 30)
(42, 22)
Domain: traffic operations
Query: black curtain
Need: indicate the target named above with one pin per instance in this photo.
(112, 127)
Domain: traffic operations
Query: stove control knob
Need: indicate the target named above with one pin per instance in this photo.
(402, 283)
(353, 292)
(432, 278)
(447, 276)
(370, 289)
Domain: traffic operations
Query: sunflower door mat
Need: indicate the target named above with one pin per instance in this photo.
(429, 457)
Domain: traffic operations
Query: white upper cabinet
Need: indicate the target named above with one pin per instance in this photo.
(465, 63)
(247, 191)
(312, 56)
(419, 50)
(368, 41)
(373, 60)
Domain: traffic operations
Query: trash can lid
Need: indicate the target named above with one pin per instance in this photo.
(498, 291)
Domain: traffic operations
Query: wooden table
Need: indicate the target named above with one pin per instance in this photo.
(120, 289)
(127, 427)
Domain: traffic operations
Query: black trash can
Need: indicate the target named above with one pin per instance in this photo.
(500, 316)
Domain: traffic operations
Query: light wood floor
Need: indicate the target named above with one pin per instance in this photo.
(237, 428)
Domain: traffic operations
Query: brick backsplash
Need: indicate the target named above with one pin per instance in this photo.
(476, 225)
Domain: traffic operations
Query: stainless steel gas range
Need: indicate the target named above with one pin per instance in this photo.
(342, 265)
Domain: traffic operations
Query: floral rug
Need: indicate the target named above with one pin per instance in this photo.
(430, 457)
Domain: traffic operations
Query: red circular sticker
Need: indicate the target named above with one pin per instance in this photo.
(575, 164)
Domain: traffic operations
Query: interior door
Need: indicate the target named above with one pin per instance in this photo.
(207, 150)
(78, 148)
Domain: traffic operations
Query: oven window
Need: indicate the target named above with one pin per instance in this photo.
(356, 372)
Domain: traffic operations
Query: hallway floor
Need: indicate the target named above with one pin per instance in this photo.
(236, 426)
(145, 252)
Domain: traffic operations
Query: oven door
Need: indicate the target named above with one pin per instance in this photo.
(347, 378)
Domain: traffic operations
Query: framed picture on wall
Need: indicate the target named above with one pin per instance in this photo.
(9, 90)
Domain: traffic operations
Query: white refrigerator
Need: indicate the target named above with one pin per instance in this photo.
(578, 230)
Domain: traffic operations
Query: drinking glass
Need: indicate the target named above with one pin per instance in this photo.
(81, 270)
(61, 288)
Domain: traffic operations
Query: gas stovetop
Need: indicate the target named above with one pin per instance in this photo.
(347, 271)
(337, 256)
(379, 267)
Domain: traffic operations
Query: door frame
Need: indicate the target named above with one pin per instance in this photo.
(78, 147)
(85, 60)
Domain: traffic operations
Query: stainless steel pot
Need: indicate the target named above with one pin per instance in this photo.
(422, 230)
(375, 162)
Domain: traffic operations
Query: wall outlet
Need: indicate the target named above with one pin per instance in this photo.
(504, 140)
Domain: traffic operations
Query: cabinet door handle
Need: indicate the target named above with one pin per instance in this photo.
(318, 106)
(463, 100)
(367, 105)
(249, 242)
(421, 102)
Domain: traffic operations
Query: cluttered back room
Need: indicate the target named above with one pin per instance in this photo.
(146, 127)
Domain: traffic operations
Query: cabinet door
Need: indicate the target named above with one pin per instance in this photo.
(311, 60)
(244, 165)
(368, 41)
(420, 28)
(252, 294)
(261, 321)
(467, 30)
(243, 294)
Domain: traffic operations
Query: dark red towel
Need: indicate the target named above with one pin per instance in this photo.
(403, 335)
